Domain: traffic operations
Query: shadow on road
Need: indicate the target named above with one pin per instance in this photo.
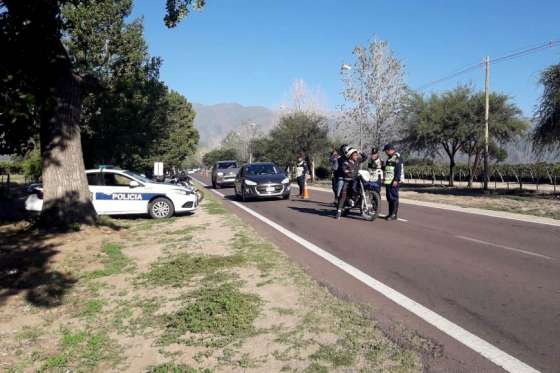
(321, 212)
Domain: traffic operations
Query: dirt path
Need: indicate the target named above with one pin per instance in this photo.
(194, 293)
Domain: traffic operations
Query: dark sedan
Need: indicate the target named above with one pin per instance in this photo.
(261, 180)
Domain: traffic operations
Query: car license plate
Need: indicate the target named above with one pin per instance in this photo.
(269, 189)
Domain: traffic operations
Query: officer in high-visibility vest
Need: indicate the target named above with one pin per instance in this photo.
(393, 176)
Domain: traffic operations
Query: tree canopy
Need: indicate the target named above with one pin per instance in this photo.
(68, 59)
(547, 116)
(295, 133)
(453, 122)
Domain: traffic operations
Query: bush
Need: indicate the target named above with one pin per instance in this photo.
(32, 165)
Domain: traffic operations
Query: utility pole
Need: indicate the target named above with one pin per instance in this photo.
(486, 115)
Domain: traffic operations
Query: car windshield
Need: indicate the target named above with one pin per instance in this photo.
(138, 177)
(262, 169)
(223, 165)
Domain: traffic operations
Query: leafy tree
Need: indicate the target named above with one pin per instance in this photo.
(182, 138)
(32, 166)
(132, 120)
(374, 90)
(296, 133)
(40, 66)
(505, 124)
(213, 156)
(440, 124)
(547, 116)
(453, 122)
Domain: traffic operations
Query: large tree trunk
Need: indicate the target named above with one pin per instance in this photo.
(66, 193)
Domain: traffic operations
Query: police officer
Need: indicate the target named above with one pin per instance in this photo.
(333, 160)
(393, 177)
(302, 169)
(375, 165)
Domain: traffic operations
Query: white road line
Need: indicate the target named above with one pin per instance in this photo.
(405, 220)
(504, 247)
(491, 352)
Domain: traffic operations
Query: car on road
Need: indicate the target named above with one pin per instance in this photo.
(224, 173)
(261, 180)
(120, 192)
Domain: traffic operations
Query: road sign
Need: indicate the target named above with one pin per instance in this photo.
(158, 168)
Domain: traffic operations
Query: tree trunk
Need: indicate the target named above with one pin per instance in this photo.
(451, 172)
(474, 166)
(66, 193)
(312, 171)
(469, 167)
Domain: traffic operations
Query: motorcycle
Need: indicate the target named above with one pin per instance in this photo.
(186, 181)
(364, 197)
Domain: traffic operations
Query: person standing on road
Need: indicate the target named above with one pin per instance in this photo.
(392, 180)
(339, 173)
(302, 169)
(333, 160)
(375, 165)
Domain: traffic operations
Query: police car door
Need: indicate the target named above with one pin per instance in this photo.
(95, 183)
(119, 197)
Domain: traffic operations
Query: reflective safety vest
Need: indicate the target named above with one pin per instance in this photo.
(390, 166)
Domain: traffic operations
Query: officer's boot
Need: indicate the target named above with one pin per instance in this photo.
(390, 212)
(395, 210)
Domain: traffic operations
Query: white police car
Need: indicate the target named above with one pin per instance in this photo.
(118, 192)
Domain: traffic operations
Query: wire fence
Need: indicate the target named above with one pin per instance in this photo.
(539, 177)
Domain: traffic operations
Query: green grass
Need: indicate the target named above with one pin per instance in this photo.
(214, 206)
(174, 368)
(222, 311)
(114, 262)
(177, 270)
(81, 350)
(91, 308)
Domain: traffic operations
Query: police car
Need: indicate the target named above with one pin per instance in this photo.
(118, 192)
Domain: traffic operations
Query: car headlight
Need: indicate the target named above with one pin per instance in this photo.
(181, 191)
(249, 182)
(220, 174)
(286, 180)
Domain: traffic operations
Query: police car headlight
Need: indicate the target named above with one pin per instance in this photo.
(220, 174)
(249, 182)
(286, 181)
(181, 191)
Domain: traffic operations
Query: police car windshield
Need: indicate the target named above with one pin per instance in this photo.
(138, 177)
(262, 169)
(223, 165)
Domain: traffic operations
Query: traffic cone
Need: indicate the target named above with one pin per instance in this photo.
(305, 191)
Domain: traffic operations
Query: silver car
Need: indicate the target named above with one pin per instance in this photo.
(224, 173)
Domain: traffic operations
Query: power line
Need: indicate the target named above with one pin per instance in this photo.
(512, 55)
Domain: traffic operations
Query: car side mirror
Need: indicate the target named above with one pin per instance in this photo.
(134, 184)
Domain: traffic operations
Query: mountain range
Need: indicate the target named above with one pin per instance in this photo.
(214, 122)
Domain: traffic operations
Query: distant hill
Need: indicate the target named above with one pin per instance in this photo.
(215, 121)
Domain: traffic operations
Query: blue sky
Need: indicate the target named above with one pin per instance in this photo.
(250, 51)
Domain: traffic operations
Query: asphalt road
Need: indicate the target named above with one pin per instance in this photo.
(499, 279)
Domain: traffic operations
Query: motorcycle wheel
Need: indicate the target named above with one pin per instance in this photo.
(370, 207)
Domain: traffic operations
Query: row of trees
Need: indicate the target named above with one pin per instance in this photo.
(77, 71)
(380, 108)
(451, 123)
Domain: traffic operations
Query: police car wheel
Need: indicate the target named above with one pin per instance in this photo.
(161, 208)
